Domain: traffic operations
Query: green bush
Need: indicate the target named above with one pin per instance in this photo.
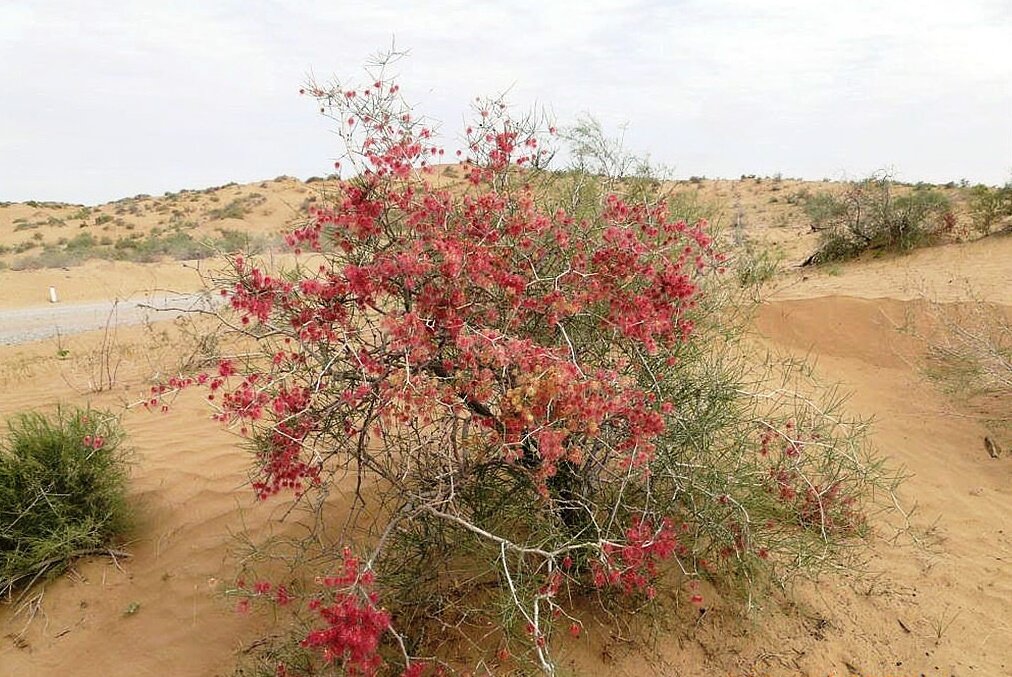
(870, 215)
(236, 209)
(822, 209)
(62, 491)
(989, 205)
(83, 241)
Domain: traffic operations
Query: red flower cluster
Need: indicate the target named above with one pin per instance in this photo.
(353, 621)
(632, 566)
(93, 442)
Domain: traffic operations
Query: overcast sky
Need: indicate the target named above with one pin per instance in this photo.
(106, 99)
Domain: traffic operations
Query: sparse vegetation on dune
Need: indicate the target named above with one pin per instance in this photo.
(990, 207)
(801, 220)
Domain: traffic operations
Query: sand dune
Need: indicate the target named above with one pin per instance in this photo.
(937, 607)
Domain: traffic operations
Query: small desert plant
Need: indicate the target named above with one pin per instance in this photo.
(753, 268)
(970, 349)
(231, 240)
(822, 209)
(237, 208)
(989, 206)
(62, 491)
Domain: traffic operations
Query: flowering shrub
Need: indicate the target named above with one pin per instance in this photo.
(525, 388)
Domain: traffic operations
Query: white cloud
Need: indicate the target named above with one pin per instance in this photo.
(103, 99)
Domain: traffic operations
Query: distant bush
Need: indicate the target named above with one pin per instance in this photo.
(62, 491)
(870, 215)
(989, 205)
(823, 209)
(81, 241)
(233, 210)
(157, 245)
(50, 257)
(231, 240)
(755, 268)
(175, 245)
(237, 208)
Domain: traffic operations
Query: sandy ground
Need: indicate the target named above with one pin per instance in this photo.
(97, 281)
(936, 602)
(979, 270)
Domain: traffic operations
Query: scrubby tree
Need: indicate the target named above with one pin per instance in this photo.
(989, 205)
(871, 214)
(527, 398)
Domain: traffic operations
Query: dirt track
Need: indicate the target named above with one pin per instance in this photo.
(23, 325)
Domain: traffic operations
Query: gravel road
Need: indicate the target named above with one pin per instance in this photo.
(23, 325)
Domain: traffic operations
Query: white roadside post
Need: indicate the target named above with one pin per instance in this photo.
(52, 294)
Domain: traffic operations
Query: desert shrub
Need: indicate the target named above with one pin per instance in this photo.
(155, 246)
(756, 267)
(62, 491)
(530, 394)
(989, 205)
(230, 240)
(49, 257)
(236, 209)
(823, 209)
(595, 153)
(968, 351)
(870, 215)
(102, 219)
(81, 242)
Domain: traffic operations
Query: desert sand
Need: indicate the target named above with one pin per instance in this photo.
(934, 602)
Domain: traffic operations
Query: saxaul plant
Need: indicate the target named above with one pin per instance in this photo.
(524, 404)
